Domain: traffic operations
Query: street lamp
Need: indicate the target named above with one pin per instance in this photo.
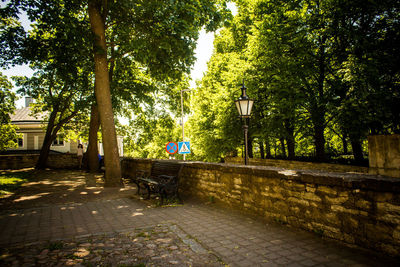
(244, 105)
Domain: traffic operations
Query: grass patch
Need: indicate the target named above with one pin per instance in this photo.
(11, 181)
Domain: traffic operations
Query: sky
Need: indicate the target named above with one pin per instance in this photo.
(203, 54)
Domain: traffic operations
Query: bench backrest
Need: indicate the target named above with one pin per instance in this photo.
(171, 168)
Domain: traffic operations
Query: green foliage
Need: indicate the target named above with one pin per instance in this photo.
(149, 131)
(150, 46)
(8, 133)
(7, 99)
(323, 75)
(214, 126)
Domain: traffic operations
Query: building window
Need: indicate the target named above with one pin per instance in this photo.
(59, 141)
(20, 142)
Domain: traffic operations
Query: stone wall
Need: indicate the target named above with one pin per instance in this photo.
(16, 162)
(56, 161)
(63, 161)
(130, 167)
(384, 154)
(292, 164)
(357, 209)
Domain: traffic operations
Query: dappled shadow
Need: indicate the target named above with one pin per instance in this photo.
(47, 187)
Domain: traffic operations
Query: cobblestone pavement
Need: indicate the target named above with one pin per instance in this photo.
(129, 232)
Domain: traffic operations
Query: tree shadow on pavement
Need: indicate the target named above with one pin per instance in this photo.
(48, 187)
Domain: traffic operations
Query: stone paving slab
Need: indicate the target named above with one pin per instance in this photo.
(234, 238)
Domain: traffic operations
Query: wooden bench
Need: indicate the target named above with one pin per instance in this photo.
(163, 179)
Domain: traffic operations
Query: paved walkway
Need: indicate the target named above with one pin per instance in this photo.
(235, 239)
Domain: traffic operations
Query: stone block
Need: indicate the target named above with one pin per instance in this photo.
(332, 218)
(237, 181)
(281, 206)
(363, 204)
(390, 218)
(385, 207)
(348, 239)
(378, 232)
(327, 190)
(390, 249)
(396, 234)
(295, 210)
(295, 194)
(338, 208)
(272, 195)
(293, 186)
(310, 188)
(335, 200)
(236, 192)
(349, 223)
(258, 180)
(299, 201)
(248, 198)
(384, 154)
(310, 196)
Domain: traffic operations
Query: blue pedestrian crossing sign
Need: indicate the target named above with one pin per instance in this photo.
(184, 148)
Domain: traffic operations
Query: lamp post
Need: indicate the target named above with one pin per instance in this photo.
(244, 105)
(183, 128)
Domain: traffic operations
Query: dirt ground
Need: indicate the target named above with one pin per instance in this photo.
(63, 186)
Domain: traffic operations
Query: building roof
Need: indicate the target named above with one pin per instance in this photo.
(26, 115)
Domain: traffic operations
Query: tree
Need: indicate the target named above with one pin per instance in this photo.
(159, 35)
(367, 49)
(98, 14)
(59, 97)
(57, 47)
(214, 126)
(8, 133)
(309, 65)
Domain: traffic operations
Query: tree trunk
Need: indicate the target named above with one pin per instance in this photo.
(290, 143)
(92, 150)
(268, 148)
(318, 119)
(357, 149)
(282, 140)
(261, 144)
(290, 147)
(250, 147)
(319, 110)
(344, 141)
(103, 97)
(319, 141)
(45, 150)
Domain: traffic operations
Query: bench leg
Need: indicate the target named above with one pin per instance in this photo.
(138, 188)
(163, 195)
(178, 197)
(148, 190)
